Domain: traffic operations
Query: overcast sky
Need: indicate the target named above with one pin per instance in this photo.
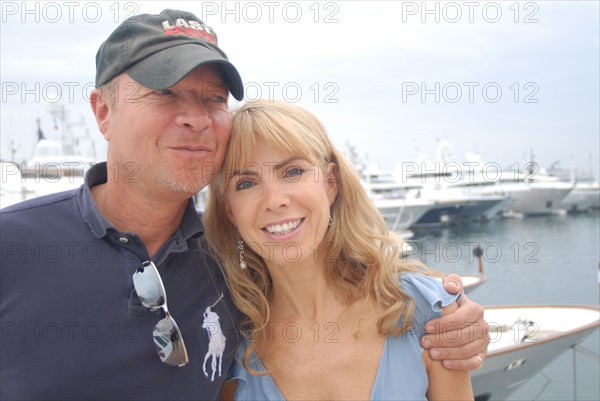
(500, 78)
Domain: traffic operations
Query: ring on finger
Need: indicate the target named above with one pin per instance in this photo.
(480, 362)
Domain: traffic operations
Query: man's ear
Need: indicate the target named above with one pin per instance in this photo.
(101, 110)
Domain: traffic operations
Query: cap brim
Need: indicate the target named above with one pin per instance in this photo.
(167, 67)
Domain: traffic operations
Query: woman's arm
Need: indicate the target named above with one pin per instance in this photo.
(446, 384)
(228, 392)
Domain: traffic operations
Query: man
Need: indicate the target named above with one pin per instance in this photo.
(85, 274)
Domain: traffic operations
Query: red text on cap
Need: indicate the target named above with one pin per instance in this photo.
(190, 28)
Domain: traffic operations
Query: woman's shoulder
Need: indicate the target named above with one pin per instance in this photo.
(428, 293)
(420, 284)
(250, 386)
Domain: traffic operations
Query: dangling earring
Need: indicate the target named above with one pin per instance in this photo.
(330, 221)
(241, 249)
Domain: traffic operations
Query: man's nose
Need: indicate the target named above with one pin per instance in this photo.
(194, 114)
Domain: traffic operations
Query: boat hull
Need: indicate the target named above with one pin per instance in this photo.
(456, 212)
(513, 359)
(581, 199)
(541, 199)
(399, 214)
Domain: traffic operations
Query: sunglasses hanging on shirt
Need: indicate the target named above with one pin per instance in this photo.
(167, 336)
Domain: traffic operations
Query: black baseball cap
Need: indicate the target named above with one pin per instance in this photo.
(158, 51)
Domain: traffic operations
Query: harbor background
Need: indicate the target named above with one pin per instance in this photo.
(545, 260)
(542, 55)
(504, 79)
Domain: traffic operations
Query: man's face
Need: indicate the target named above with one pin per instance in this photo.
(169, 141)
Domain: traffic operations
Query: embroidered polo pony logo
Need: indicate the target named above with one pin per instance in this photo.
(216, 343)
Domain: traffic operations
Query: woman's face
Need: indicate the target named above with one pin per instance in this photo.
(280, 206)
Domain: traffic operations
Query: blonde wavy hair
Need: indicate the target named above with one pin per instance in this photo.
(362, 253)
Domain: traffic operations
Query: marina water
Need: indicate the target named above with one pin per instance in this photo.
(545, 260)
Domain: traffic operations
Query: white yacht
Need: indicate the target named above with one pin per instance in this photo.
(400, 214)
(524, 339)
(12, 186)
(480, 187)
(536, 193)
(50, 170)
(547, 192)
(57, 164)
(398, 211)
(451, 202)
(440, 181)
(586, 189)
(583, 197)
(452, 205)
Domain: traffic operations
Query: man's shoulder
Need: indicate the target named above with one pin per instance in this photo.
(39, 207)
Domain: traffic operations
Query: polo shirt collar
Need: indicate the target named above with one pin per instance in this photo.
(191, 225)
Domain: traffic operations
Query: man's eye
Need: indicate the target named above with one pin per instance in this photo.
(164, 92)
(218, 98)
(245, 184)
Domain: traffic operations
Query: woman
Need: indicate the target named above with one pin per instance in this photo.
(332, 310)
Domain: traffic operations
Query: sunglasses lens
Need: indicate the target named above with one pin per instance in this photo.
(167, 337)
(169, 343)
(148, 286)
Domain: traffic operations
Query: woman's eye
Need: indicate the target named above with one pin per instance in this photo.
(294, 172)
(245, 184)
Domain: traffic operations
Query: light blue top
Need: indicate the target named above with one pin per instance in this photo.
(401, 374)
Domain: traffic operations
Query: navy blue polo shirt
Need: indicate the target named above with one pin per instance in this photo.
(72, 326)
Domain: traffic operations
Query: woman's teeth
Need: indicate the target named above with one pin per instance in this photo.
(283, 228)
